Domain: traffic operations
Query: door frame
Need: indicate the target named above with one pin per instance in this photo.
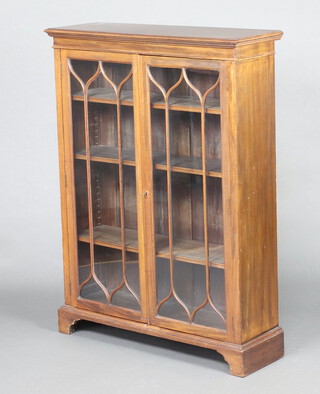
(145, 129)
(67, 185)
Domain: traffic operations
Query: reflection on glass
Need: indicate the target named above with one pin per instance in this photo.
(187, 189)
(189, 282)
(104, 283)
(103, 141)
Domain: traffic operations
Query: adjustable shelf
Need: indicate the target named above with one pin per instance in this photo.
(105, 96)
(188, 104)
(188, 165)
(184, 164)
(107, 154)
(189, 251)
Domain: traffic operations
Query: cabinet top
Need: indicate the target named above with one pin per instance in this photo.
(190, 35)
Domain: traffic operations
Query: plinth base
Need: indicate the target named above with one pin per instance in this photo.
(242, 359)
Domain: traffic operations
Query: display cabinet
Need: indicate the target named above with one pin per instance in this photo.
(168, 195)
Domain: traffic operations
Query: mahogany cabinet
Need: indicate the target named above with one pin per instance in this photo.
(168, 194)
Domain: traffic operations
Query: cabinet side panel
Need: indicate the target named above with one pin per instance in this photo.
(257, 195)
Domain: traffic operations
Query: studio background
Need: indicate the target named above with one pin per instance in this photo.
(34, 357)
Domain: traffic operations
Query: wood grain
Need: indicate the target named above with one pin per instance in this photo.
(257, 196)
(188, 165)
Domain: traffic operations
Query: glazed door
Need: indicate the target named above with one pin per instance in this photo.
(105, 268)
(187, 258)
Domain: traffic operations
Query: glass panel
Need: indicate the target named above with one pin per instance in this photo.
(105, 182)
(207, 316)
(81, 196)
(190, 292)
(186, 148)
(106, 283)
(102, 110)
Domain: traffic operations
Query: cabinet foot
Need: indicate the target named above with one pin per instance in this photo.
(67, 322)
(255, 354)
(242, 359)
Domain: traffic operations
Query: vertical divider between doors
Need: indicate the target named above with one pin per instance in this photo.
(144, 188)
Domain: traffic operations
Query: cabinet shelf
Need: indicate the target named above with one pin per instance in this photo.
(108, 154)
(105, 96)
(189, 251)
(110, 236)
(187, 104)
(185, 164)
(188, 165)
(179, 103)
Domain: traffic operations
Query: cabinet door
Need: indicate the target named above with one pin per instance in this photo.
(99, 104)
(187, 258)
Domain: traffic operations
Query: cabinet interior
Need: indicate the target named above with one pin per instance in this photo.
(185, 130)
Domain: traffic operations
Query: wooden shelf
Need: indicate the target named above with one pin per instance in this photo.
(106, 262)
(105, 96)
(185, 164)
(188, 104)
(189, 251)
(188, 165)
(108, 154)
(179, 103)
(110, 236)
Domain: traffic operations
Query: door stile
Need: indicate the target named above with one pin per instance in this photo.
(144, 188)
(230, 200)
(68, 192)
(68, 198)
(63, 198)
(149, 220)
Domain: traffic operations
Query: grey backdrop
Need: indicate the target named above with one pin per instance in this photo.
(34, 358)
